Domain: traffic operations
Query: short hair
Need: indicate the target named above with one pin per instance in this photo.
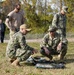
(17, 4)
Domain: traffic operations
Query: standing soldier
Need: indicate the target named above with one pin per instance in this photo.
(59, 21)
(53, 44)
(17, 49)
(14, 19)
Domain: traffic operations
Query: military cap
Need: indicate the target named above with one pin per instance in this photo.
(65, 8)
(24, 26)
(52, 28)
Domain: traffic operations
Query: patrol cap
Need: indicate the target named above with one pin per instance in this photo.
(65, 8)
(52, 28)
(24, 26)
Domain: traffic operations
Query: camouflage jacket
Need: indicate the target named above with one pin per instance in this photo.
(52, 42)
(18, 41)
(59, 21)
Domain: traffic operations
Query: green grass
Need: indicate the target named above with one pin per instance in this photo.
(7, 69)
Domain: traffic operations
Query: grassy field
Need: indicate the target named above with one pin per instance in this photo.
(7, 69)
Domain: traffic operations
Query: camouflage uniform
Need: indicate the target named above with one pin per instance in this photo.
(51, 45)
(59, 21)
(17, 47)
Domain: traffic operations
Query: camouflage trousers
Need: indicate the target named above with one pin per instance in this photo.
(20, 54)
(62, 32)
(62, 53)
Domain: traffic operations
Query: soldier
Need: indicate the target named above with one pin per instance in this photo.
(59, 21)
(14, 19)
(17, 49)
(53, 44)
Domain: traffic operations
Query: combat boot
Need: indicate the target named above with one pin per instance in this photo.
(11, 60)
(16, 63)
(61, 57)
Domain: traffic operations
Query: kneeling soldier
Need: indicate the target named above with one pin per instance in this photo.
(17, 49)
(53, 44)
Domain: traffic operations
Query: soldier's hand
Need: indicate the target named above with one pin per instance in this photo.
(34, 51)
(46, 51)
(59, 46)
(13, 29)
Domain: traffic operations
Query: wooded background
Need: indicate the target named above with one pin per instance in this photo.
(39, 13)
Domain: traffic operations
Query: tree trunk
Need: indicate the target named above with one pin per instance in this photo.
(60, 5)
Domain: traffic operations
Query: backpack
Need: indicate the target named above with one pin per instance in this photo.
(40, 62)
